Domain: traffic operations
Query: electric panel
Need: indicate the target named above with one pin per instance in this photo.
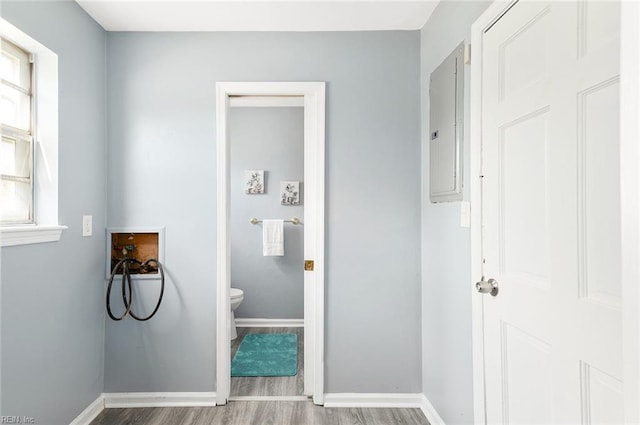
(446, 110)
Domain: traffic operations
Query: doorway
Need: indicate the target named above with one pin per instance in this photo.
(312, 96)
(547, 237)
(267, 169)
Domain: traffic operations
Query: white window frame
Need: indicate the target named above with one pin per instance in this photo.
(20, 135)
(45, 227)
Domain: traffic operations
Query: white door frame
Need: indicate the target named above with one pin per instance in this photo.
(629, 191)
(630, 204)
(314, 160)
(491, 15)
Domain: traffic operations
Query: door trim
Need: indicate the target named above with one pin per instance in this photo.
(313, 94)
(629, 191)
(630, 205)
(482, 24)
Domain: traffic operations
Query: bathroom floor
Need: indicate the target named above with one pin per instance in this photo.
(269, 385)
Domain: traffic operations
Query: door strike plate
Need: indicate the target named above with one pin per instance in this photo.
(308, 265)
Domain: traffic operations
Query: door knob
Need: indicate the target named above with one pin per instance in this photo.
(487, 287)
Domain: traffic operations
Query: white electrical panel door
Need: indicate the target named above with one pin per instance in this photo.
(445, 128)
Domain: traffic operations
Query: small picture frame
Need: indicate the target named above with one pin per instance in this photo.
(254, 182)
(290, 193)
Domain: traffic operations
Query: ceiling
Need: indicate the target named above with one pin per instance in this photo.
(260, 15)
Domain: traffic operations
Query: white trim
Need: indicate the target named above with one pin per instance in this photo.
(314, 180)
(90, 413)
(430, 412)
(374, 400)
(314, 166)
(269, 323)
(177, 399)
(223, 279)
(269, 398)
(630, 205)
(266, 101)
(25, 235)
(477, 329)
(493, 12)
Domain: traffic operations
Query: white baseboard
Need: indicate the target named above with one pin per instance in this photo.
(373, 400)
(90, 413)
(430, 412)
(204, 399)
(120, 400)
(269, 323)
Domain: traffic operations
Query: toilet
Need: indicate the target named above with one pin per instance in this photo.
(236, 298)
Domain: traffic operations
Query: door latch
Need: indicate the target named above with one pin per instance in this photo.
(308, 265)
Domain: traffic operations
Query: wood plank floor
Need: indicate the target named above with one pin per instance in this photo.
(262, 413)
(269, 385)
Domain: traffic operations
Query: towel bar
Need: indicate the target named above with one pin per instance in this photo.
(294, 220)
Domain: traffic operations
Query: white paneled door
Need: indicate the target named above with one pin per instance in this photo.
(551, 214)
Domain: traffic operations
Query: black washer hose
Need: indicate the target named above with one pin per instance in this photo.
(155, 310)
(125, 275)
(128, 301)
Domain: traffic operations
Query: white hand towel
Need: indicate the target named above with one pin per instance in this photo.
(272, 237)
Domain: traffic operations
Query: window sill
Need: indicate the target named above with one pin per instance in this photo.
(25, 235)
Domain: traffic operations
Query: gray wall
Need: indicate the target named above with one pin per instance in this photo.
(161, 91)
(446, 261)
(269, 139)
(53, 293)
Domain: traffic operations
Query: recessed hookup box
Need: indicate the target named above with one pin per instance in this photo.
(136, 245)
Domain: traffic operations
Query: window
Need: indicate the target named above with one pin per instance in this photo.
(16, 146)
(29, 140)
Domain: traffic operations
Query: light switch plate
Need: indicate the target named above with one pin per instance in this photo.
(87, 225)
(465, 214)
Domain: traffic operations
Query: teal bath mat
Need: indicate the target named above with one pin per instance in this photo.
(266, 355)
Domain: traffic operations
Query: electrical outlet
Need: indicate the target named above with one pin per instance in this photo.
(87, 225)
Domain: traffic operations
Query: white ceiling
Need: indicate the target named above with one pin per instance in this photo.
(258, 15)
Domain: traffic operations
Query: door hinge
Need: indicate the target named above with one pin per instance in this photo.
(467, 54)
